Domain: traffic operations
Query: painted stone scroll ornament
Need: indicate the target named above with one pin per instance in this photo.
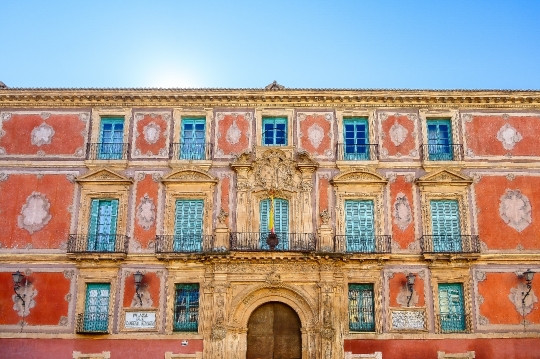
(508, 136)
(42, 135)
(35, 213)
(398, 133)
(315, 135)
(146, 212)
(233, 134)
(402, 211)
(152, 131)
(515, 209)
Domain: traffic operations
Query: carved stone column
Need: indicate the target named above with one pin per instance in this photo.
(217, 331)
(325, 233)
(242, 166)
(221, 233)
(330, 329)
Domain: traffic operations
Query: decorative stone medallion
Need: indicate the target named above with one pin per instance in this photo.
(402, 211)
(516, 297)
(152, 131)
(315, 135)
(398, 133)
(515, 209)
(42, 135)
(508, 136)
(146, 212)
(34, 213)
(233, 133)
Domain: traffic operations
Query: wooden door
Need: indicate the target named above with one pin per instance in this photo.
(274, 333)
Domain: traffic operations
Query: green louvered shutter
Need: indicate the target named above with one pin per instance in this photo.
(361, 308)
(188, 227)
(451, 307)
(445, 226)
(193, 144)
(359, 226)
(281, 222)
(102, 225)
(111, 139)
(440, 140)
(96, 313)
(264, 212)
(93, 225)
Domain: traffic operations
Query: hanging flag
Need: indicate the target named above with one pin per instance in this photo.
(271, 219)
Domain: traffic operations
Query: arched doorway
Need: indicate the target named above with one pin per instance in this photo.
(274, 333)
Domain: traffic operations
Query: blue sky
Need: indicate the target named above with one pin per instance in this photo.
(317, 44)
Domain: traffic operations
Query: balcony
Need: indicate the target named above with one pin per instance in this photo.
(280, 242)
(363, 244)
(450, 244)
(449, 152)
(98, 244)
(453, 323)
(92, 323)
(362, 152)
(107, 151)
(190, 151)
(184, 244)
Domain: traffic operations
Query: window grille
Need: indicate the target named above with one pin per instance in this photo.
(186, 308)
(361, 308)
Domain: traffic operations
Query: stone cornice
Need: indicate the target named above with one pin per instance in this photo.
(313, 98)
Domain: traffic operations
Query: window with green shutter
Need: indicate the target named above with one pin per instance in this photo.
(111, 139)
(102, 226)
(188, 226)
(96, 312)
(361, 308)
(274, 131)
(451, 308)
(281, 222)
(356, 139)
(359, 226)
(193, 139)
(440, 140)
(186, 308)
(445, 224)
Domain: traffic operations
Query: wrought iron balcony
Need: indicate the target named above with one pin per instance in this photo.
(107, 151)
(453, 323)
(363, 243)
(450, 152)
(361, 152)
(92, 323)
(98, 243)
(190, 151)
(267, 242)
(195, 243)
(450, 244)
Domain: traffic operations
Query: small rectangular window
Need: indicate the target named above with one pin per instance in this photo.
(451, 308)
(193, 139)
(186, 308)
(356, 139)
(361, 308)
(359, 226)
(445, 224)
(274, 132)
(111, 138)
(102, 226)
(96, 311)
(188, 226)
(440, 140)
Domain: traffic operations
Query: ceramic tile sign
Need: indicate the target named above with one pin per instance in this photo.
(140, 320)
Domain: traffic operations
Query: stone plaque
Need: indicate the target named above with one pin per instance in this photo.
(408, 320)
(140, 320)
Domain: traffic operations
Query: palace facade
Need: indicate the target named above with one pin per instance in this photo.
(269, 223)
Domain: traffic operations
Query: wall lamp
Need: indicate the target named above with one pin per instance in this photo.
(18, 277)
(410, 284)
(138, 276)
(528, 275)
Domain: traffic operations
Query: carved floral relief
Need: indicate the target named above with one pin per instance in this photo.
(146, 212)
(515, 210)
(508, 136)
(34, 213)
(42, 135)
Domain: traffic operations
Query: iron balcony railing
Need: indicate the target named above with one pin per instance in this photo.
(357, 152)
(192, 243)
(107, 151)
(265, 241)
(190, 151)
(450, 244)
(449, 152)
(92, 323)
(453, 323)
(363, 243)
(97, 243)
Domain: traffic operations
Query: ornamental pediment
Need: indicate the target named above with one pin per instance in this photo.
(359, 176)
(444, 177)
(189, 175)
(104, 175)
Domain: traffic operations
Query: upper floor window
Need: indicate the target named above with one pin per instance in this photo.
(274, 218)
(193, 139)
(96, 310)
(102, 226)
(111, 138)
(445, 224)
(451, 308)
(188, 225)
(274, 131)
(356, 139)
(186, 308)
(440, 140)
(361, 308)
(359, 226)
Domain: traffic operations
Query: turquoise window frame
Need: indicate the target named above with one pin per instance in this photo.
(111, 138)
(359, 226)
(445, 225)
(186, 307)
(188, 225)
(96, 310)
(439, 134)
(281, 222)
(361, 303)
(356, 139)
(103, 225)
(274, 131)
(193, 139)
(451, 307)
